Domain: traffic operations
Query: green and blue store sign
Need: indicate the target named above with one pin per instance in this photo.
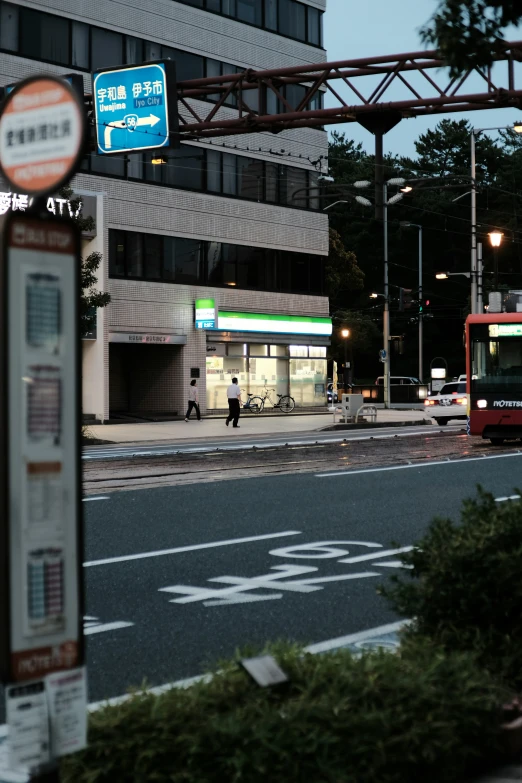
(209, 317)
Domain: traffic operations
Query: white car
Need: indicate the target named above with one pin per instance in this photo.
(451, 402)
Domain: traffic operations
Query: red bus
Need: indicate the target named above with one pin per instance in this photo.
(494, 375)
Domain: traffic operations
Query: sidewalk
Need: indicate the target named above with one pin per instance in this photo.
(212, 427)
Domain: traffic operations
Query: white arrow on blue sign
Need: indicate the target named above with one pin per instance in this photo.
(132, 108)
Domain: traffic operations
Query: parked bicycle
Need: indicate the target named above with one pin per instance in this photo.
(256, 404)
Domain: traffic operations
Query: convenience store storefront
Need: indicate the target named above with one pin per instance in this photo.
(285, 353)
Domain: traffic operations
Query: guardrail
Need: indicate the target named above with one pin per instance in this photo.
(399, 394)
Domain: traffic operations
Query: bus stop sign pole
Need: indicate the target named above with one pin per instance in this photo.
(42, 135)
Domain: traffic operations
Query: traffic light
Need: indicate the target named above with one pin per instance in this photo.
(423, 304)
(405, 299)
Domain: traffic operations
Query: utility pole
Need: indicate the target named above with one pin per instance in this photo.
(421, 308)
(473, 224)
(386, 316)
(480, 306)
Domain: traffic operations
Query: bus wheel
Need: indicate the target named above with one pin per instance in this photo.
(497, 441)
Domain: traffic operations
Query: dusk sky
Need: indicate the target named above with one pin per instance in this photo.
(373, 27)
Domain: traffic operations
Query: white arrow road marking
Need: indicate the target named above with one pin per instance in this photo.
(375, 555)
(151, 120)
(92, 625)
(271, 581)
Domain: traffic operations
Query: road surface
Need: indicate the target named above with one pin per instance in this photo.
(178, 577)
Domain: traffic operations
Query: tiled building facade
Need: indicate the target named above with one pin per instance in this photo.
(223, 220)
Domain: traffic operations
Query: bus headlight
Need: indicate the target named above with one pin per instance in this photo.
(482, 404)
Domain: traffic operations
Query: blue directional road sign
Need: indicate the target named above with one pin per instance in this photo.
(135, 107)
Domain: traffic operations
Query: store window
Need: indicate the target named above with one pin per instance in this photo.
(220, 371)
(308, 381)
(298, 350)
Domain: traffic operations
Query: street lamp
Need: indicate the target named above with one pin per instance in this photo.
(345, 334)
(360, 200)
(495, 238)
(407, 224)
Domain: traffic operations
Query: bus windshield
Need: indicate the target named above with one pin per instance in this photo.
(496, 357)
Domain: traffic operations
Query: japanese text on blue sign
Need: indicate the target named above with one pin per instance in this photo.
(131, 108)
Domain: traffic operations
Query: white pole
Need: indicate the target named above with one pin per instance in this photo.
(386, 317)
(421, 311)
(473, 225)
(480, 305)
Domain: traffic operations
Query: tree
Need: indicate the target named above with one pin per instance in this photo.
(364, 340)
(446, 151)
(469, 33)
(342, 271)
(91, 299)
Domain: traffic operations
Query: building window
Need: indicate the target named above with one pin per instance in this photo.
(187, 260)
(106, 49)
(250, 11)
(117, 254)
(314, 26)
(44, 37)
(188, 66)
(194, 262)
(133, 50)
(80, 45)
(9, 27)
(229, 174)
(271, 15)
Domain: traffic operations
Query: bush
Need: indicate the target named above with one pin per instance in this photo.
(465, 586)
(420, 715)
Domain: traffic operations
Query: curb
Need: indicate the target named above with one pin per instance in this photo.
(369, 425)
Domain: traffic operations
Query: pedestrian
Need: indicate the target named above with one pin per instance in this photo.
(234, 398)
(193, 401)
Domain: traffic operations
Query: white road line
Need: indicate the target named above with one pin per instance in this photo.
(417, 465)
(193, 548)
(100, 497)
(509, 497)
(342, 641)
(88, 630)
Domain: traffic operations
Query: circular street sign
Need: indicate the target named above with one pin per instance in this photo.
(42, 130)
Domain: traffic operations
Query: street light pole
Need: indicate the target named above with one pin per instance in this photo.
(421, 310)
(386, 314)
(480, 304)
(473, 224)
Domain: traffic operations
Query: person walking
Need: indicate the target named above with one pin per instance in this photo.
(234, 398)
(193, 401)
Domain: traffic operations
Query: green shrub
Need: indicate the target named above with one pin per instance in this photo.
(465, 586)
(420, 715)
